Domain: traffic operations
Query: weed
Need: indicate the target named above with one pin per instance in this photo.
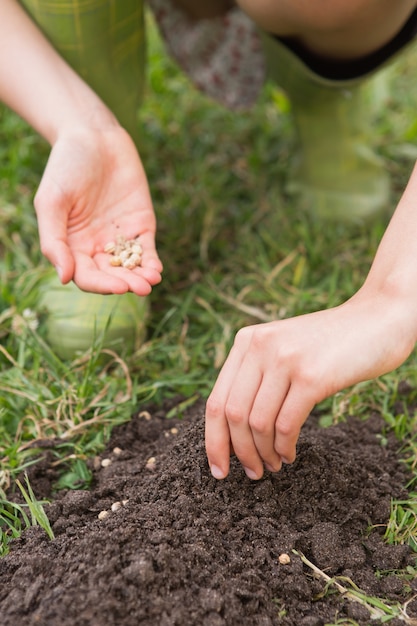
(378, 608)
(14, 519)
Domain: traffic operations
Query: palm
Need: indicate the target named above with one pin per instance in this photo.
(94, 189)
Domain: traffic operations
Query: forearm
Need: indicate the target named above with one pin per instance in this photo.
(392, 278)
(37, 83)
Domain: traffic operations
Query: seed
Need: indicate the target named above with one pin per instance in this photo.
(135, 258)
(174, 431)
(116, 506)
(110, 247)
(103, 515)
(124, 255)
(129, 263)
(150, 463)
(125, 252)
(117, 451)
(124, 502)
(105, 462)
(136, 248)
(146, 415)
(284, 559)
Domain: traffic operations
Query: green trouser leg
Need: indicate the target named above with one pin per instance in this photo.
(103, 40)
(338, 175)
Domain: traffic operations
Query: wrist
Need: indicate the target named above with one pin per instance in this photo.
(392, 310)
(82, 109)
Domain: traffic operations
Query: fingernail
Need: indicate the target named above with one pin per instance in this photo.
(216, 472)
(286, 461)
(250, 473)
(271, 469)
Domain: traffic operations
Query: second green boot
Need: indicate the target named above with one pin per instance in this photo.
(338, 175)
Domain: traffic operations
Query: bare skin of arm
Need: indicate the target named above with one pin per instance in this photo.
(276, 372)
(333, 28)
(94, 185)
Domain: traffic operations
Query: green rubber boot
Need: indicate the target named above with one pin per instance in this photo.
(76, 320)
(104, 41)
(338, 175)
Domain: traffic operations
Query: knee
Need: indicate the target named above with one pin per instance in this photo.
(329, 15)
(299, 17)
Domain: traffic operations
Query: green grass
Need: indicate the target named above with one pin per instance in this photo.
(378, 608)
(236, 250)
(14, 517)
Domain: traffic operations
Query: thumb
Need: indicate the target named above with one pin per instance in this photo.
(52, 226)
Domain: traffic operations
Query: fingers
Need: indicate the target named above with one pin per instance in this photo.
(256, 411)
(53, 244)
(217, 434)
(150, 258)
(97, 276)
(294, 411)
(241, 413)
(263, 416)
(264, 435)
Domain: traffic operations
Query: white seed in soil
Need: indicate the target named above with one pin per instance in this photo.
(116, 506)
(124, 502)
(174, 431)
(103, 515)
(105, 462)
(150, 463)
(145, 415)
(284, 559)
(117, 451)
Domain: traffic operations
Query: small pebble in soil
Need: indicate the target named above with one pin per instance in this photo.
(284, 559)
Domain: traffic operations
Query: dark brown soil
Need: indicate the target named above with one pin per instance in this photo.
(186, 550)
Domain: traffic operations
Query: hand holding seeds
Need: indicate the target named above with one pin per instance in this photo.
(94, 186)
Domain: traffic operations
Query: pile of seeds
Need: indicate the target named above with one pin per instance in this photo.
(125, 252)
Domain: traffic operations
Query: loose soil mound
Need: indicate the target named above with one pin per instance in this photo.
(187, 550)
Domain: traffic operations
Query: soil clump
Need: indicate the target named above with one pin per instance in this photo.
(178, 548)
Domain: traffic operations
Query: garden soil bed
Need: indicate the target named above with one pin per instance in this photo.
(187, 550)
